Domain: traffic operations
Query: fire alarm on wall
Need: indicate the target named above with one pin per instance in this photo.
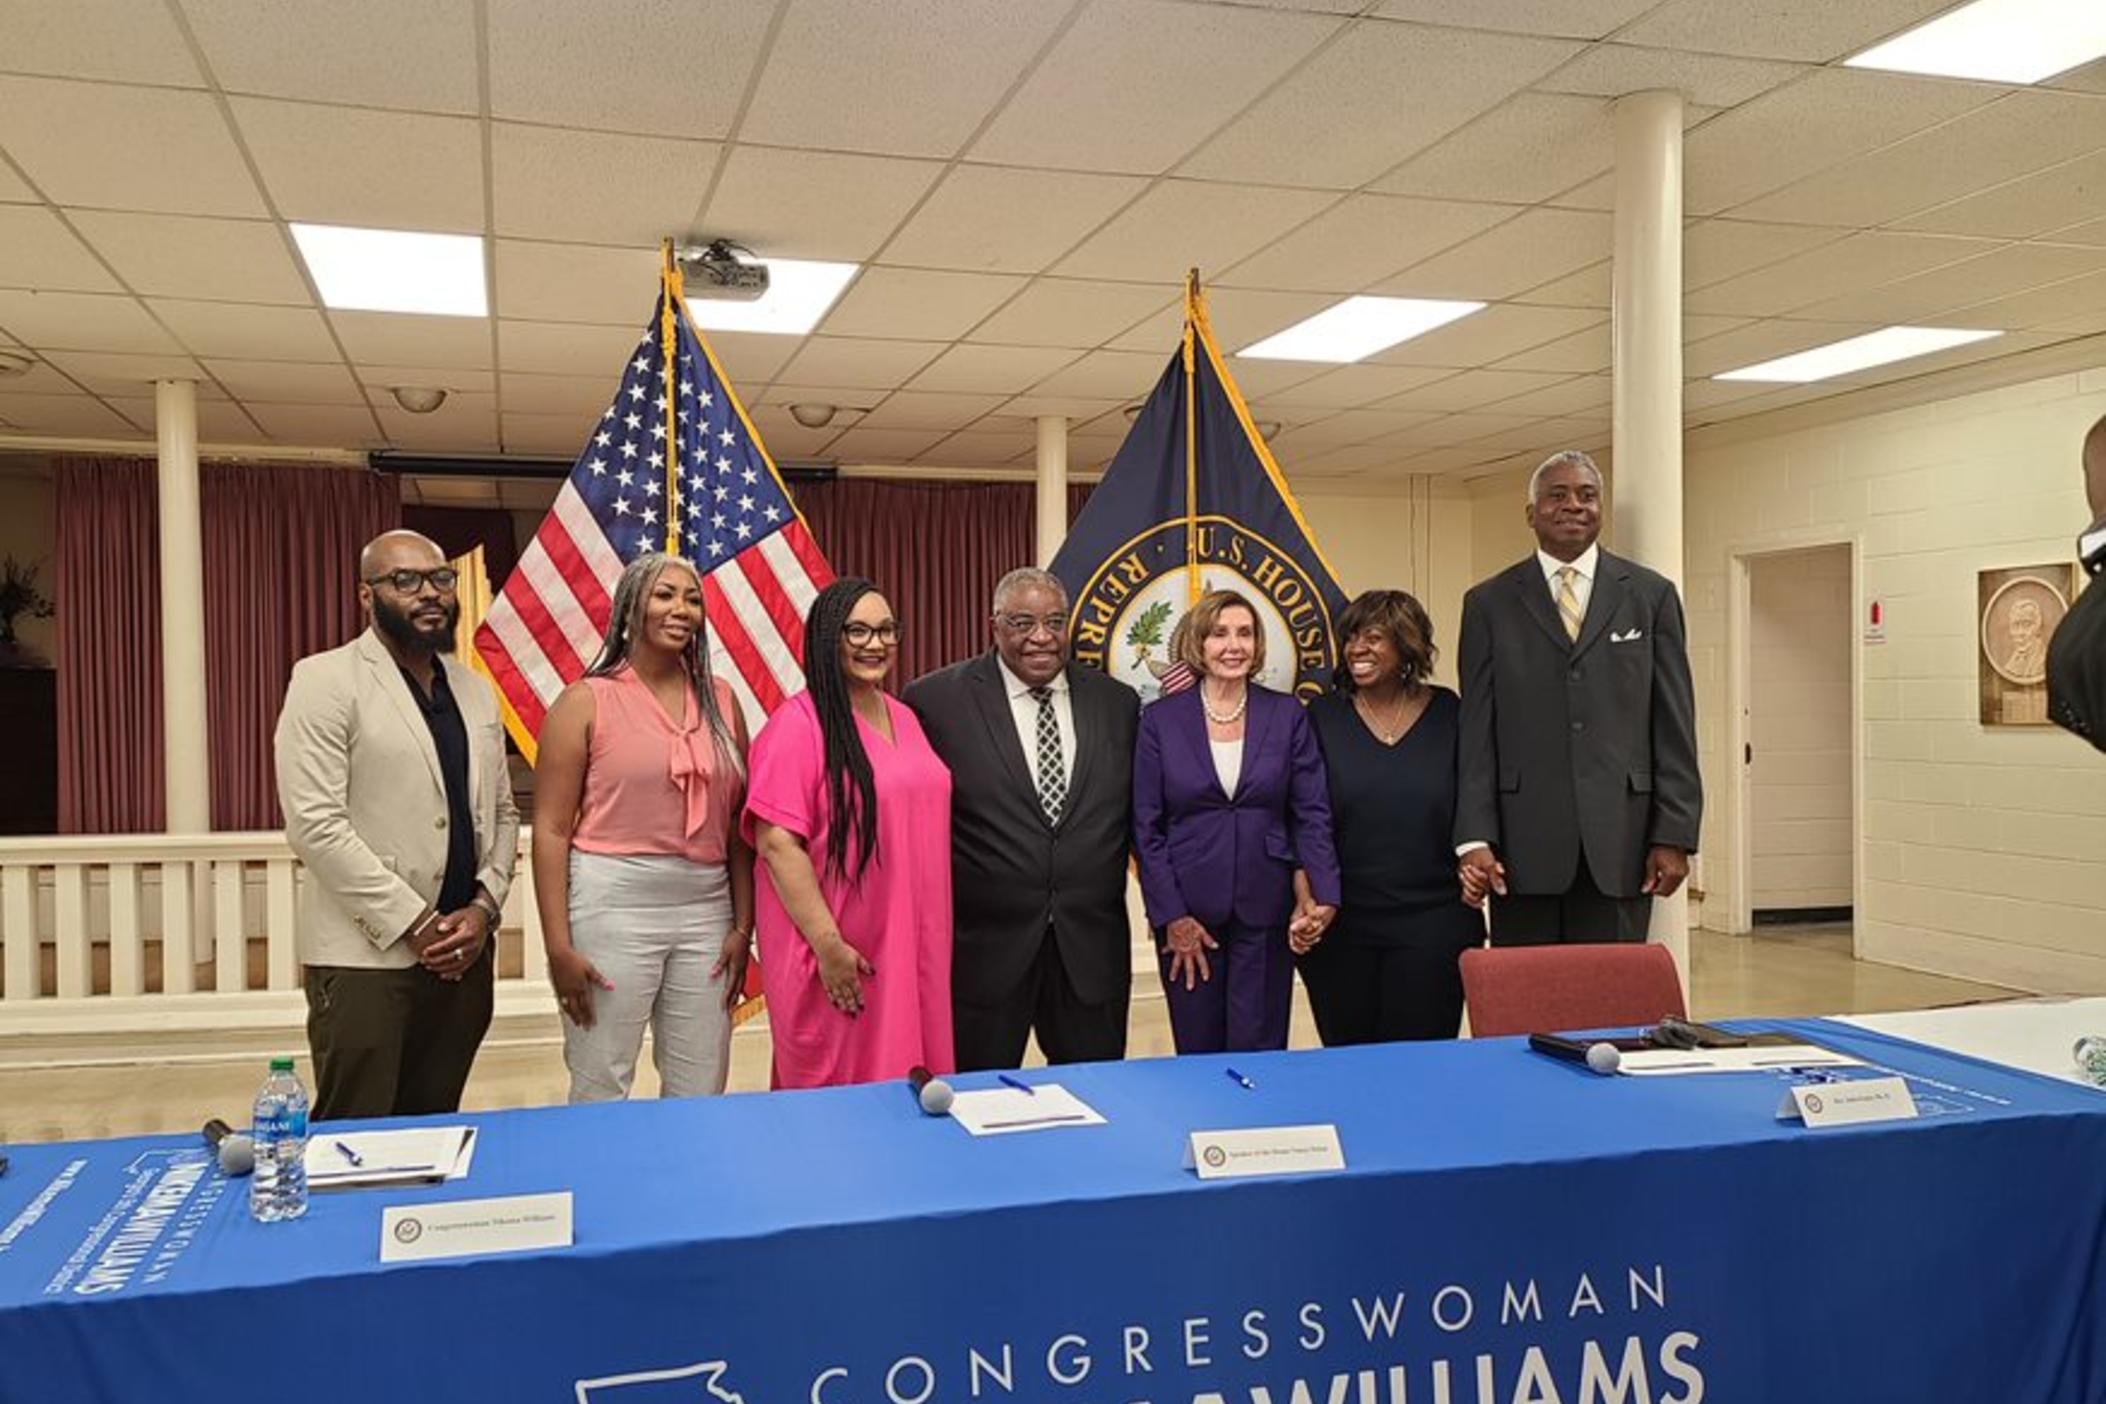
(1876, 621)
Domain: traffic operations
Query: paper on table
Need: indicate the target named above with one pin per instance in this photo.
(420, 1153)
(1001, 1110)
(1675, 1062)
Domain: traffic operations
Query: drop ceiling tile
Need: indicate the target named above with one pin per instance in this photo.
(673, 70)
(545, 435)
(1472, 389)
(900, 77)
(176, 156)
(1763, 341)
(814, 204)
(1453, 429)
(82, 322)
(271, 382)
(319, 426)
(1240, 317)
(411, 339)
(1714, 250)
(1582, 353)
(1527, 149)
(1122, 375)
(39, 413)
(13, 189)
(787, 439)
(1381, 93)
(121, 41)
(857, 364)
(1361, 239)
(1572, 19)
(981, 449)
(1134, 86)
(752, 359)
(1538, 438)
(247, 332)
(1579, 396)
(358, 166)
(1350, 387)
(377, 53)
(576, 283)
(566, 348)
(1343, 429)
(2067, 305)
(1259, 379)
(1065, 312)
(464, 424)
(120, 373)
(379, 381)
(913, 409)
(1709, 80)
(1828, 117)
(2086, 78)
(2090, 232)
(218, 421)
(1809, 31)
(1004, 370)
(2005, 272)
(1510, 258)
(1589, 288)
(1181, 224)
(918, 303)
(43, 253)
(882, 446)
(999, 219)
(1078, 410)
(1500, 330)
(2012, 136)
(554, 183)
(226, 259)
(1849, 264)
(2023, 208)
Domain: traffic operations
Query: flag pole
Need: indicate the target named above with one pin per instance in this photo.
(1192, 576)
(671, 288)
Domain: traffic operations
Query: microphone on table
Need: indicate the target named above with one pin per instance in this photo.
(237, 1151)
(1602, 1057)
(931, 1091)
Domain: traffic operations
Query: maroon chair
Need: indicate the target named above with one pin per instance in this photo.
(1550, 989)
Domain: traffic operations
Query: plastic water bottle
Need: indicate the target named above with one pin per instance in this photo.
(279, 1125)
(2091, 1059)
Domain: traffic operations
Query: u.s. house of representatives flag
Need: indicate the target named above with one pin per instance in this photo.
(1192, 502)
(708, 491)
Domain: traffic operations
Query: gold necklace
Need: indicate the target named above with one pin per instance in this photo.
(1386, 734)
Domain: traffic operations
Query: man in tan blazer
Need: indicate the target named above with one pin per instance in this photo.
(391, 774)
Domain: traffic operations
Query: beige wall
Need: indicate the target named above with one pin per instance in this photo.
(1984, 849)
(26, 533)
(1414, 535)
(1799, 724)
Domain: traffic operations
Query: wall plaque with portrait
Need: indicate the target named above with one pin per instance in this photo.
(2019, 609)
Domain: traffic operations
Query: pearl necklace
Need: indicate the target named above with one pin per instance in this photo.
(1215, 717)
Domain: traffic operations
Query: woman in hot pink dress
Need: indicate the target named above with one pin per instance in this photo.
(850, 811)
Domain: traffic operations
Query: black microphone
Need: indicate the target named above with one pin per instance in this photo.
(931, 1091)
(237, 1152)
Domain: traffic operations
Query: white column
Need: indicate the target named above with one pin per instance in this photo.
(186, 758)
(1646, 304)
(1052, 485)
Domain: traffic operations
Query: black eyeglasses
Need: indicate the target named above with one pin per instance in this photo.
(859, 635)
(409, 582)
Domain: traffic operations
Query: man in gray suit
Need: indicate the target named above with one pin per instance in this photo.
(1578, 798)
(391, 773)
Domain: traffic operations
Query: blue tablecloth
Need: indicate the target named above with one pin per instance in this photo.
(1509, 1229)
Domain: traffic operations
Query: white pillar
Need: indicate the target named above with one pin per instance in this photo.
(1646, 304)
(1052, 485)
(186, 758)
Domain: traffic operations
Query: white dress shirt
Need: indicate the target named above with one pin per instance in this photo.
(1023, 708)
(1582, 580)
(1228, 763)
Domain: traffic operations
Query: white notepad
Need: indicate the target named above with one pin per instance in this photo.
(418, 1154)
(1002, 1110)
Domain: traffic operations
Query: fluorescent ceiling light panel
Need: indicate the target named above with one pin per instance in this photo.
(2003, 41)
(1878, 348)
(394, 270)
(799, 293)
(1357, 328)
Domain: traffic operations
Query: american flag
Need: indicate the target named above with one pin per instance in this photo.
(760, 567)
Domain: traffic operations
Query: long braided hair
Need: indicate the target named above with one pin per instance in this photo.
(851, 788)
(632, 595)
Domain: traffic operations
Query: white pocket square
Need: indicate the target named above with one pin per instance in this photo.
(1615, 637)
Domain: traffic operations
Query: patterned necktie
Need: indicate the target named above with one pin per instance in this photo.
(1568, 602)
(1052, 774)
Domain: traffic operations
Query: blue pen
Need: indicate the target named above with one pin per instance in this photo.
(1240, 1080)
(349, 1154)
(1024, 1087)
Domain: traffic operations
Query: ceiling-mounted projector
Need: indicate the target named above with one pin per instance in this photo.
(724, 271)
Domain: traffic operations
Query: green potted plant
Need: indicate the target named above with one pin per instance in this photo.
(20, 599)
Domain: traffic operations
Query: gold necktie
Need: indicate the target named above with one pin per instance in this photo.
(1568, 602)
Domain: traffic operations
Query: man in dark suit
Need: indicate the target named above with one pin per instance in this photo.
(2076, 661)
(1041, 758)
(1578, 797)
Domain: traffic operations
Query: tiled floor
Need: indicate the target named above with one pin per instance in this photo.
(66, 1091)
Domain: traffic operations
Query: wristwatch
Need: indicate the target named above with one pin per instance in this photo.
(489, 909)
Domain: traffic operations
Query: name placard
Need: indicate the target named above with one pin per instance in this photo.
(467, 1228)
(1264, 1150)
(1822, 1104)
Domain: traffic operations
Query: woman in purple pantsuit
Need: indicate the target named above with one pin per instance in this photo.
(1233, 821)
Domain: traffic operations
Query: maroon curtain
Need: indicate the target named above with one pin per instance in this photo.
(280, 546)
(281, 553)
(108, 557)
(459, 530)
